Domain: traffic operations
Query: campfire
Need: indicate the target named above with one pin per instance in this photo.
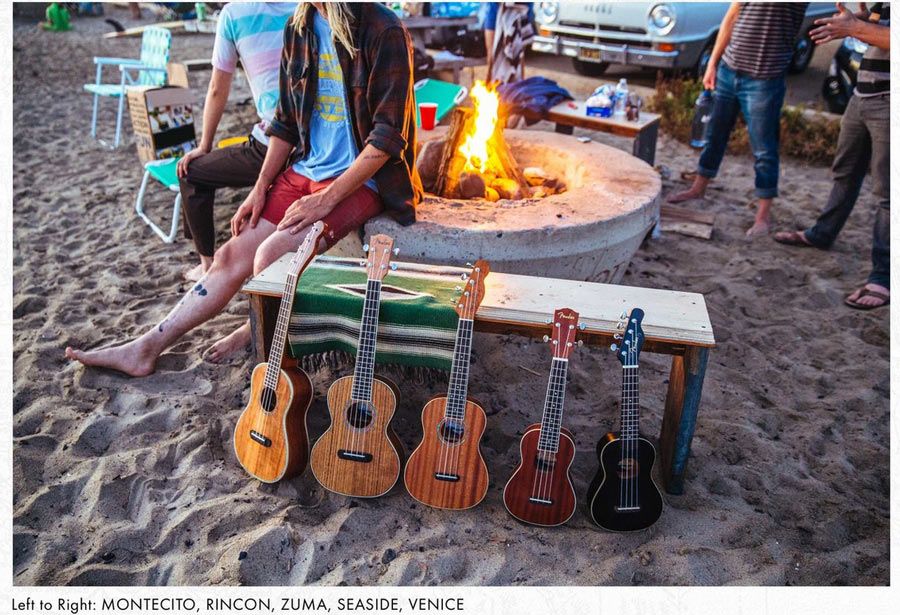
(475, 161)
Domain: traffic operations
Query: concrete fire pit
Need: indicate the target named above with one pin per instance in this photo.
(589, 232)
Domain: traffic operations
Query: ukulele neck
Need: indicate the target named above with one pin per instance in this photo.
(459, 373)
(551, 422)
(279, 338)
(631, 407)
(364, 371)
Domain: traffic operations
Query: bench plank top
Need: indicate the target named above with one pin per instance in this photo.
(672, 317)
(617, 124)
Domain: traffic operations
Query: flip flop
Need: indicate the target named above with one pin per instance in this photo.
(793, 239)
(865, 292)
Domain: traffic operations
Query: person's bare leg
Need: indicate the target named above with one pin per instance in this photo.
(194, 274)
(233, 263)
(763, 217)
(696, 191)
(271, 250)
(869, 299)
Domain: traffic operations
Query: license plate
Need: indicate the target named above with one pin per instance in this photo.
(590, 54)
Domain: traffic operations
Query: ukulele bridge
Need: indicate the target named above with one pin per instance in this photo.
(453, 478)
(260, 439)
(354, 456)
(543, 501)
(626, 509)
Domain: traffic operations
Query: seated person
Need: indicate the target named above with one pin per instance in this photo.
(252, 32)
(352, 151)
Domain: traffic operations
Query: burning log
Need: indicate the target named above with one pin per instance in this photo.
(452, 161)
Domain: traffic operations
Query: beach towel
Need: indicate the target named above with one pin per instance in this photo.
(535, 94)
(417, 322)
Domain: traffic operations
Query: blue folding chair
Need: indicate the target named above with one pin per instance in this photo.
(151, 69)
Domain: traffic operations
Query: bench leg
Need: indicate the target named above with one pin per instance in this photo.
(645, 144)
(565, 129)
(682, 403)
(263, 316)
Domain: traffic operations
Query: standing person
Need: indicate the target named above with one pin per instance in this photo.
(346, 116)
(864, 142)
(755, 45)
(252, 32)
(508, 30)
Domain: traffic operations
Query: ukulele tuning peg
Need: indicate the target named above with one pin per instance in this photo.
(393, 266)
(624, 315)
(580, 343)
(617, 336)
(362, 263)
(468, 264)
(581, 326)
(548, 320)
(365, 247)
(464, 277)
(613, 347)
(458, 287)
(546, 338)
(396, 251)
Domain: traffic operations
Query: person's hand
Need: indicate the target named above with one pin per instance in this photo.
(305, 211)
(841, 24)
(181, 168)
(863, 13)
(709, 77)
(251, 207)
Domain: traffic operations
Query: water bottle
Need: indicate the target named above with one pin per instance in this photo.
(702, 112)
(621, 96)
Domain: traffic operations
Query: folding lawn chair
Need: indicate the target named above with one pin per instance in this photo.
(151, 69)
(444, 94)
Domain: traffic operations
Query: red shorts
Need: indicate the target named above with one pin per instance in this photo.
(349, 214)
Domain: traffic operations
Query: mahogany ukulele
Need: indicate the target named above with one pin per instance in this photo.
(540, 490)
(359, 454)
(447, 469)
(270, 438)
(623, 496)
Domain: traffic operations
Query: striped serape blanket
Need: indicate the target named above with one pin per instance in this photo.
(417, 322)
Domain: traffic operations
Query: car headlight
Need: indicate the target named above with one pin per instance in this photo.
(855, 45)
(662, 18)
(548, 11)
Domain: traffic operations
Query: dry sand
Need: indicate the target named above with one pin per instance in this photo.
(121, 481)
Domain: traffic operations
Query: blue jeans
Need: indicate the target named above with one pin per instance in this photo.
(760, 101)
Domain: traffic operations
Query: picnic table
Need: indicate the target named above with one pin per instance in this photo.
(570, 114)
(676, 323)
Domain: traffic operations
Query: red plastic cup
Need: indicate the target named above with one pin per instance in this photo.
(427, 115)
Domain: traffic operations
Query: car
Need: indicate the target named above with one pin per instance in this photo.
(667, 35)
(841, 80)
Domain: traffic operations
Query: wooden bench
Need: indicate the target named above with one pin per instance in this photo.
(570, 114)
(676, 324)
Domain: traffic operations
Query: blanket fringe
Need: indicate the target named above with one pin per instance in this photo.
(335, 360)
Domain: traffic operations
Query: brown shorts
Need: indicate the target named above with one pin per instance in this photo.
(349, 214)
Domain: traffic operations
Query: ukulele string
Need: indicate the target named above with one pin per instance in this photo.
(560, 381)
(462, 381)
(538, 459)
(635, 418)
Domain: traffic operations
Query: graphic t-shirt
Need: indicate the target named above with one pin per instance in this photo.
(332, 148)
(254, 33)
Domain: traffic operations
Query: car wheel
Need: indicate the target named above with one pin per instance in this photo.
(803, 53)
(589, 69)
(703, 60)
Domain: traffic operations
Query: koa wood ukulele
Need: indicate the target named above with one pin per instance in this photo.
(447, 469)
(359, 454)
(540, 490)
(623, 497)
(270, 438)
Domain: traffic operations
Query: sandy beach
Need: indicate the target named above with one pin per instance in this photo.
(122, 481)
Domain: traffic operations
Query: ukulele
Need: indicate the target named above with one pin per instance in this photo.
(270, 438)
(359, 454)
(623, 496)
(447, 469)
(540, 490)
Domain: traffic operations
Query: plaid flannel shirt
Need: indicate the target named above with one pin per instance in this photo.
(379, 91)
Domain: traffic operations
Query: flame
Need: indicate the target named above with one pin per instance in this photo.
(477, 148)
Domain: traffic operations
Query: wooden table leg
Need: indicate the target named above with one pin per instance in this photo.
(645, 143)
(263, 314)
(682, 403)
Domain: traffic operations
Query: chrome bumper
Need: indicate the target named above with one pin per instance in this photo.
(614, 54)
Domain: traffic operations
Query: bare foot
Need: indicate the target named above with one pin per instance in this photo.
(131, 358)
(219, 352)
(758, 229)
(194, 274)
(685, 195)
(869, 300)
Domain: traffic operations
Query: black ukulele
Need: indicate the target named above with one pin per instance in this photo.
(623, 497)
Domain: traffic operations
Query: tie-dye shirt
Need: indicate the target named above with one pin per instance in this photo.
(253, 32)
(332, 148)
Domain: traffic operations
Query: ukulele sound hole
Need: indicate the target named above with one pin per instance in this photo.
(627, 468)
(452, 431)
(359, 414)
(267, 399)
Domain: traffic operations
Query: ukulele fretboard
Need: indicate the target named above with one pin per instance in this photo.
(551, 422)
(459, 373)
(631, 406)
(365, 350)
(279, 338)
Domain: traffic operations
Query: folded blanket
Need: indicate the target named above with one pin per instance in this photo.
(536, 94)
(417, 322)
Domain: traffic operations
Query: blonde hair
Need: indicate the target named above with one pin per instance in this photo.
(339, 19)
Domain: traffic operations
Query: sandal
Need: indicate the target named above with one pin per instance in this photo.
(865, 292)
(795, 238)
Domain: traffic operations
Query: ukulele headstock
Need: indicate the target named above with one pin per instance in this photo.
(378, 259)
(472, 293)
(565, 329)
(632, 336)
(307, 250)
